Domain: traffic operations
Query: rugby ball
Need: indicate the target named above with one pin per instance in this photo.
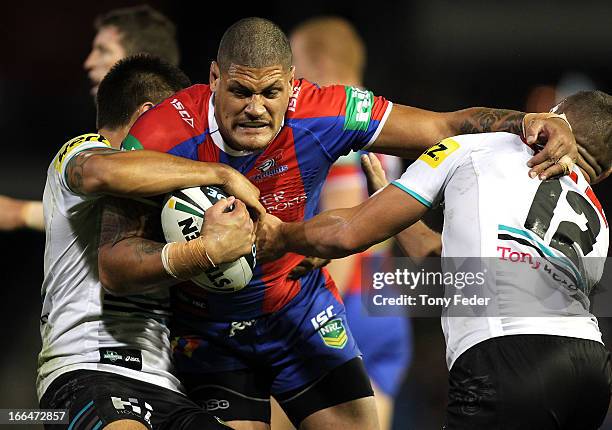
(182, 217)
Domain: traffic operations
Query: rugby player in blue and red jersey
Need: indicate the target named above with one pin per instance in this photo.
(282, 337)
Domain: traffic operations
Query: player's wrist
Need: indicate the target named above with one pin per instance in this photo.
(530, 117)
(286, 231)
(223, 173)
(186, 260)
(213, 252)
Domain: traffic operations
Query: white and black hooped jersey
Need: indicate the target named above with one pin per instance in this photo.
(548, 239)
(82, 326)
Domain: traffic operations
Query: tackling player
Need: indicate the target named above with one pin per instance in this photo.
(106, 356)
(278, 336)
(517, 368)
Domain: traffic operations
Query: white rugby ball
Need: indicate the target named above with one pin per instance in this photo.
(182, 217)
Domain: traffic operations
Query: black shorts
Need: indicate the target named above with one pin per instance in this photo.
(244, 395)
(530, 382)
(95, 399)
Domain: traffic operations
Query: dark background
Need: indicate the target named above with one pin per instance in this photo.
(440, 55)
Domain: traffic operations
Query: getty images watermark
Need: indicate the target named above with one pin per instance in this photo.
(410, 279)
(487, 287)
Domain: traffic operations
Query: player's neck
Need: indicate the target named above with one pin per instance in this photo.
(114, 136)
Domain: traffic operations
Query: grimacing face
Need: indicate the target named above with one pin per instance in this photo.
(105, 52)
(250, 103)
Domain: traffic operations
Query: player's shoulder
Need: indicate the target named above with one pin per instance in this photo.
(493, 142)
(76, 144)
(310, 101)
(195, 96)
(180, 117)
(486, 140)
(189, 105)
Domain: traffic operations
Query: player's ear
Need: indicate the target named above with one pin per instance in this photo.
(214, 76)
(291, 75)
(145, 107)
(141, 109)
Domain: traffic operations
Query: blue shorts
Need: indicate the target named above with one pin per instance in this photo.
(296, 345)
(386, 344)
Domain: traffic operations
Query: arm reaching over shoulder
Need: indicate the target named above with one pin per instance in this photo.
(341, 232)
(409, 131)
(131, 261)
(149, 173)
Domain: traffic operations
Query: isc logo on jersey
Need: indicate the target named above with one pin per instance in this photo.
(185, 115)
(182, 218)
(438, 153)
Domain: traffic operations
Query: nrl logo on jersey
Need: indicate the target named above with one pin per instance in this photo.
(334, 334)
(270, 167)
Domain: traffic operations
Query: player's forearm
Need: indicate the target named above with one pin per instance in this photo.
(328, 235)
(418, 242)
(133, 266)
(139, 173)
(484, 120)
(16, 214)
(409, 131)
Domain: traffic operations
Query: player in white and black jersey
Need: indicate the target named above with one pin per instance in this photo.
(541, 368)
(106, 355)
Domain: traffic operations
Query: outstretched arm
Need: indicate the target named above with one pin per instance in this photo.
(149, 173)
(16, 214)
(338, 233)
(409, 131)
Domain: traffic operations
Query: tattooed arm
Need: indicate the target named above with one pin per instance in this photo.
(131, 243)
(409, 131)
(149, 173)
(130, 246)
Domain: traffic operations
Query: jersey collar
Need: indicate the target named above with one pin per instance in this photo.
(215, 133)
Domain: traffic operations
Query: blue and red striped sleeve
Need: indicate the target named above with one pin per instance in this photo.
(341, 118)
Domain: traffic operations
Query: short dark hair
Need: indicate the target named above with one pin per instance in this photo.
(130, 83)
(254, 42)
(143, 30)
(590, 114)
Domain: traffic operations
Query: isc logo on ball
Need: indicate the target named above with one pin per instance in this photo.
(182, 218)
